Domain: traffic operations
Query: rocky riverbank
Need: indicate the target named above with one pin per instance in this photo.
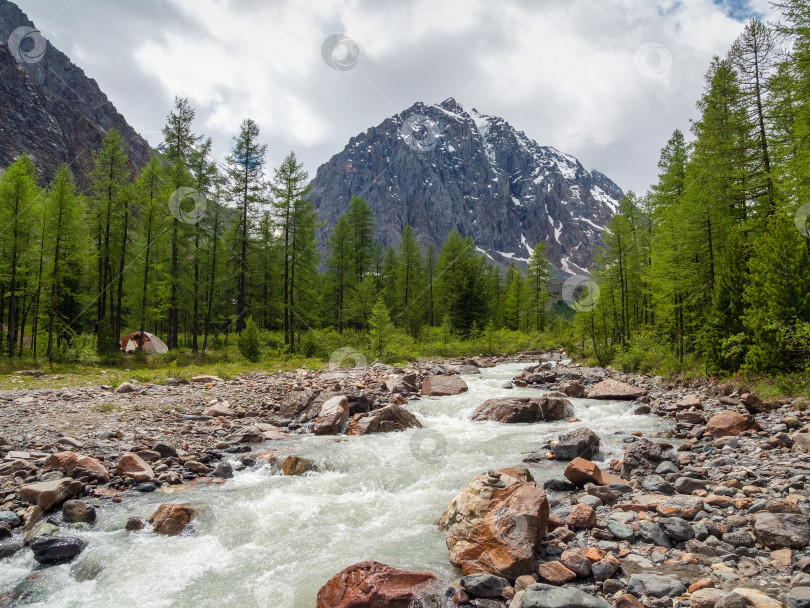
(703, 505)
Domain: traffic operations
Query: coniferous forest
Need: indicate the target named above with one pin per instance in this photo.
(708, 270)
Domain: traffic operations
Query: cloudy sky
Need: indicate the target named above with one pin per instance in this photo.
(605, 80)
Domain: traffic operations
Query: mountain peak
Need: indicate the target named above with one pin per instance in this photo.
(438, 167)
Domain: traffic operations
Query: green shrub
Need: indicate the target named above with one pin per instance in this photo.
(249, 344)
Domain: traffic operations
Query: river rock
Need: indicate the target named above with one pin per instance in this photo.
(540, 595)
(613, 389)
(334, 414)
(655, 585)
(495, 524)
(685, 507)
(171, 519)
(246, 434)
(132, 465)
(48, 494)
(440, 386)
(77, 511)
(55, 550)
(76, 466)
(782, 530)
(555, 573)
(580, 472)
(297, 465)
(581, 516)
(484, 585)
(524, 409)
(391, 418)
(705, 598)
(754, 598)
(371, 585)
(728, 423)
(572, 389)
(582, 443)
(641, 458)
(9, 548)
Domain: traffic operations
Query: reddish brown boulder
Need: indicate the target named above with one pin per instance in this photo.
(728, 423)
(482, 362)
(581, 516)
(580, 471)
(220, 409)
(524, 409)
(495, 523)
(171, 519)
(439, 386)
(613, 389)
(76, 466)
(390, 418)
(372, 585)
(554, 573)
(132, 465)
(334, 414)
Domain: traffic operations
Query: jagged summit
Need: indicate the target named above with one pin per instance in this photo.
(438, 167)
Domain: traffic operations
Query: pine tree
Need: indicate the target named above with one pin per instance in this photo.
(539, 274)
(361, 220)
(341, 267)
(379, 327)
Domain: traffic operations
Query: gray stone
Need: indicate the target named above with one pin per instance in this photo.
(604, 569)
(667, 467)
(579, 443)
(77, 511)
(548, 596)
(223, 470)
(655, 585)
(9, 548)
(620, 530)
(687, 485)
(798, 597)
(739, 538)
(782, 530)
(55, 550)
(10, 518)
(657, 485)
(652, 533)
(677, 529)
(484, 585)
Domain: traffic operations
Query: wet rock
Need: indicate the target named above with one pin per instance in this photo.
(782, 530)
(10, 518)
(580, 472)
(392, 418)
(371, 585)
(134, 524)
(333, 415)
(572, 389)
(223, 470)
(523, 409)
(9, 548)
(484, 585)
(55, 550)
(728, 423)
(495, 524)
(172, 519)
(77, 511)
(198, 468)
(582, 443)
(246, 434)
(439, 386)
(133, 466)
(613, 389)
(297, 465)
(48, 494)
(547, 596)
(655, 585)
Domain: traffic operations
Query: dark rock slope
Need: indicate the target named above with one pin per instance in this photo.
(50, 108)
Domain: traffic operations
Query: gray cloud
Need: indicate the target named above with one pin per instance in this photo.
(565, 73)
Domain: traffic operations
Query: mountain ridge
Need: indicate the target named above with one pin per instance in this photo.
(438, 167)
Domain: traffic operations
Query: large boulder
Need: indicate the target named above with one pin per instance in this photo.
(48, 494)
(77, 466)
(580, 471)
(540, 595)
(371, 585)
(440, 386)
(582, 443)
(728, 423)
(172, 519)
(613, 389)
(524, 409)
(132, 465)
(495, 523)
(297, 465)
(334, 414)
(782, 530)
(388, 419)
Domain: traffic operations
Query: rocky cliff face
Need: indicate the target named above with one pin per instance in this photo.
(49, 107)
(440, 167)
